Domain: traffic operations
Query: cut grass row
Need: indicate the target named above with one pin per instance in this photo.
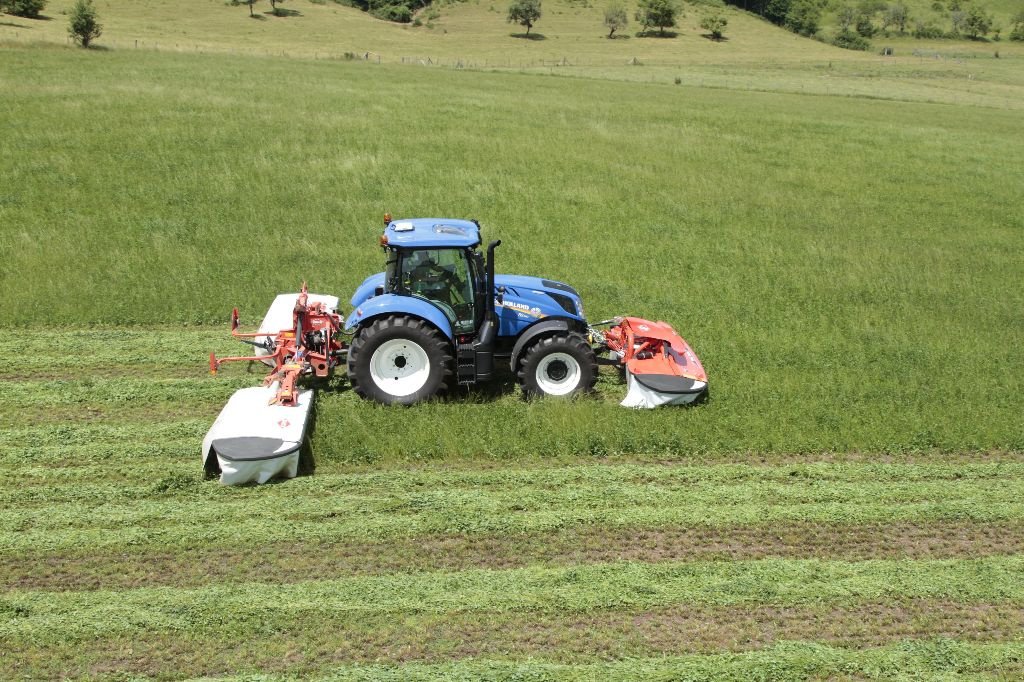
(299, 560)
(181, 511)
(238, 609)
(939, 659)
(587, 641)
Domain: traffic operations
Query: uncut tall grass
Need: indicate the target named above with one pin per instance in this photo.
(847, 269)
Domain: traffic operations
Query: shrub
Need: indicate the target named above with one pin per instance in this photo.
(850, 40)
(397, 13)
(29, 9)
(84, 26)
(714, 24)
(925, 30)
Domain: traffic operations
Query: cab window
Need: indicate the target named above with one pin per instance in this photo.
(442, 276)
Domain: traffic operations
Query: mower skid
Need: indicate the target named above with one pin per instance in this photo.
(653, 390)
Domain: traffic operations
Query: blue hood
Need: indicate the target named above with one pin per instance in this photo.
(532, 298)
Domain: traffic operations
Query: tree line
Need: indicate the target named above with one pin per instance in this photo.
(857, 23)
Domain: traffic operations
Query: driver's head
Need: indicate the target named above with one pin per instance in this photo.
(422, 259)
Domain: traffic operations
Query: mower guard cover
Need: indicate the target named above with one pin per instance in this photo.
(254, 441)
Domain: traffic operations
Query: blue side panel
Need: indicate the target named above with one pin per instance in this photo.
(524, 306)
(367, 288)
(391, 304)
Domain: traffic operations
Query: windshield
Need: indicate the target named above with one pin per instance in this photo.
(441, 276)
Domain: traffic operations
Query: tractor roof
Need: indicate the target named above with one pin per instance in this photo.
(425, 233)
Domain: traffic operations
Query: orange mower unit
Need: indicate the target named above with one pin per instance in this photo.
(660, 367)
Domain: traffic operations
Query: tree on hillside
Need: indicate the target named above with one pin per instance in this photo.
(846, 17)
(615, 18)
(1017, 33)
(977, 23)
(957, 18)
(714, 24)
(775, 11)
(660, 13)
(864, 24)
(29, 9)
(896, 14)
(524, 12)
(803, 17)
(83, 24)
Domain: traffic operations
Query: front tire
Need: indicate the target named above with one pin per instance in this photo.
(560, 365)
(399, 360)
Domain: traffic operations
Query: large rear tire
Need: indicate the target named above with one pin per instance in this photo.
(399, 360)
(561, 365)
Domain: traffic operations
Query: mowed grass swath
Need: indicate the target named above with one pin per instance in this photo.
(848, 503)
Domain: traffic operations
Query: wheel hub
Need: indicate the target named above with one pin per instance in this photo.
(400, 367)
(558, 374)
(557, 371)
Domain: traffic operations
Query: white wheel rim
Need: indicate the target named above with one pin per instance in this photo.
(400, 367)
(558, 374)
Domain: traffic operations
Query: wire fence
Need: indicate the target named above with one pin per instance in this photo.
(453, 62)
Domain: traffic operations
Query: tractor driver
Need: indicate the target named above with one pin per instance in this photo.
(427, 276)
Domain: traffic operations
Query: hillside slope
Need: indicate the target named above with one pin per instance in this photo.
(569, 40)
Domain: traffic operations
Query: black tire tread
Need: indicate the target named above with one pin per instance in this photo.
(565, 341)
(433, 343)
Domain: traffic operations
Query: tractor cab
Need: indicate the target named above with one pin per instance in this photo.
(438, 261)
(450, 278)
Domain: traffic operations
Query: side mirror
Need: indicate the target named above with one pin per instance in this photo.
(378, 290)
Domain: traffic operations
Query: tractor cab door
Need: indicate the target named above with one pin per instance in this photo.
(446, 278)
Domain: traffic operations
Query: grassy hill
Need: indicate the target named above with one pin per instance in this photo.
(571, 40)
(837, 234)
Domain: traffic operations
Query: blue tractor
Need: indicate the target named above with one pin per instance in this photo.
(439, 317)
(436, 318)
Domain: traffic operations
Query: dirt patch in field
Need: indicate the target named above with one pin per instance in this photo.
(305, 645)
(293, 562)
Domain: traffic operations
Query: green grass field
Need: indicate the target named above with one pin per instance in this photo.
(836, 235)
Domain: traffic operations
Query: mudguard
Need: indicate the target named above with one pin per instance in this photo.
(392, 304)
(531, 333)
